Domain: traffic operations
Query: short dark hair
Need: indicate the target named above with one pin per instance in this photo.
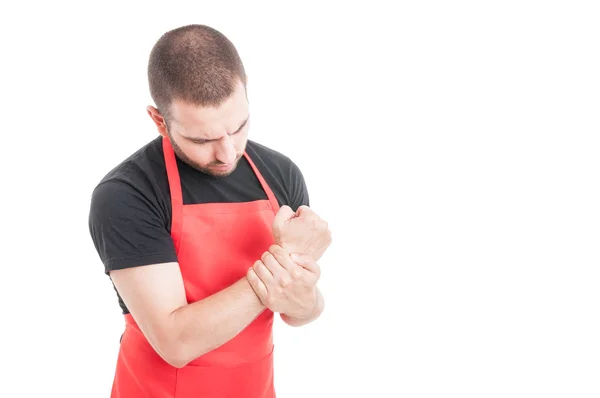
(196, 64)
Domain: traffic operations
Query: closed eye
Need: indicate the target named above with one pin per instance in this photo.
(204, 141)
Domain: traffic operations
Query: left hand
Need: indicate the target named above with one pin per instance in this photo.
(284, 285)
(302, 232)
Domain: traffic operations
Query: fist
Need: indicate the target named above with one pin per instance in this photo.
(302, 232)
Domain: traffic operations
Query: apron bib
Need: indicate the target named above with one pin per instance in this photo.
(216, 243)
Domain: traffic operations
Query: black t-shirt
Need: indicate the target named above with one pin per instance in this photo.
(130, 212)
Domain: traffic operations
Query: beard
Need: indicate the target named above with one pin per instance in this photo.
(206, 169)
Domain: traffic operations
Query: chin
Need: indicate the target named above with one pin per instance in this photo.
(222, 173)
(215, 173)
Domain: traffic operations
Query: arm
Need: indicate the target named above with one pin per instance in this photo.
(131, 236)
(178, 331)
(299, 197)
(297, 228)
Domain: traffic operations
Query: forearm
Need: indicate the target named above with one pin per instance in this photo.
(207, 324)
(317, 311)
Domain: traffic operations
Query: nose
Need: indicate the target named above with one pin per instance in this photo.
(226, 150)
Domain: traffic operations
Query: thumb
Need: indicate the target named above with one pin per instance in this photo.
(284, 214)
(303, 210)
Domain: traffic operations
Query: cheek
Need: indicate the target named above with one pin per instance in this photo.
(240, 141)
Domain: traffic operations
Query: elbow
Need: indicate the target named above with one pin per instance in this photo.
(178, 354)
(178, 349)
(174, 355)
(176, 361)
(171, 351)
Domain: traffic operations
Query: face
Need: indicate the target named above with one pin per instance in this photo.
(211, 140)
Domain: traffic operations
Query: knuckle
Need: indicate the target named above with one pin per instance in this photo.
(284, 282)
(265, 257)
(296, 273)
(277, 250)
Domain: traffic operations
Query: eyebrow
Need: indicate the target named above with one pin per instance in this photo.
(201, 140)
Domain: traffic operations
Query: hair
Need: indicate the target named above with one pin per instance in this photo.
(196, 64)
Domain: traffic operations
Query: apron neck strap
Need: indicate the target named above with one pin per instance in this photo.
(175, 181)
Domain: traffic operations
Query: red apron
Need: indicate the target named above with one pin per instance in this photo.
(216, 243)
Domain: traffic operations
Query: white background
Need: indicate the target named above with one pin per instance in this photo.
(452, 146)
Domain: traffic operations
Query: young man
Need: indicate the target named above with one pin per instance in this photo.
(205, 234)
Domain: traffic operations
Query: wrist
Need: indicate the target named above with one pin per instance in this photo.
(310, 309)
(309, 315)
(257, 301)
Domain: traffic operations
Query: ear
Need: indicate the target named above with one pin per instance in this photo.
(157, 118)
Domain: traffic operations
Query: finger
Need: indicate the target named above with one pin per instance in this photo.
(302, 209)
(264, 274)
(294, 271)
(280, 274)
(284, 214)
(306, 262)
(257, 285)
(282, 257)
(272, 264)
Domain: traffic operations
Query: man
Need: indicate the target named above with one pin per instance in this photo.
(205, 234)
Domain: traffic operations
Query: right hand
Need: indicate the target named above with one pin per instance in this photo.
(302, 232)
(284, 284)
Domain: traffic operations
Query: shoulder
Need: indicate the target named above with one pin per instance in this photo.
(143, 163)
(139, 180)
(266, 154)
(129, 214)
(273, 160)
(281, 172)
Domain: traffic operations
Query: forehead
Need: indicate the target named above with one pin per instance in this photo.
(211, 122)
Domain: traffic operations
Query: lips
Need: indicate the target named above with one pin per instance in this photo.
(223, 167)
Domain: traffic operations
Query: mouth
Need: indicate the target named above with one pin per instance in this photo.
(223, 166)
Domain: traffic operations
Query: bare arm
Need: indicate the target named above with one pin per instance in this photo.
(178, 331)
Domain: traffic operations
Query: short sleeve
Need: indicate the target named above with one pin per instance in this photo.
(127, 228)
(298, 191)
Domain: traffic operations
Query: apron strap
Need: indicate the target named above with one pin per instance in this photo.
(176, 195)
(263, 183)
